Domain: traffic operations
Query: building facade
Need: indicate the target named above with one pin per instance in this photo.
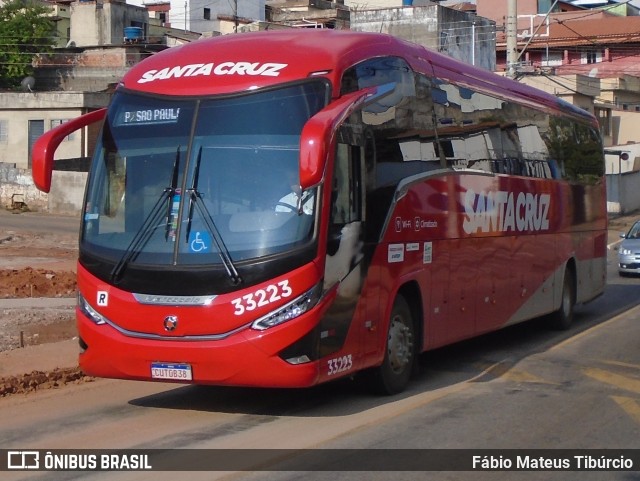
(456, 33)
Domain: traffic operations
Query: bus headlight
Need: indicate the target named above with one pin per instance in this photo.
(289, 311)
(90, 312)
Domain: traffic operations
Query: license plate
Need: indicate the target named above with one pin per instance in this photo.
(171, 372)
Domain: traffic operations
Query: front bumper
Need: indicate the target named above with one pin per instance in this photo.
(246, 358)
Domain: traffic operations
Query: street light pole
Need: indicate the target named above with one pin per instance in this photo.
(512, 40)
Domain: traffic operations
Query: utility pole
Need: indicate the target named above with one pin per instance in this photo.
(235, 16)
(544, 20)
(512, 39)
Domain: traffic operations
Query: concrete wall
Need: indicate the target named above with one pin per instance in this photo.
(91, 70)
(66, 196)
(460, 35)
(625, 127)
(418, 25)
(356, 5)
(623, 195)
(579, 90)
(18, 182)
(248, 9)
(67, 192)
(102, 23)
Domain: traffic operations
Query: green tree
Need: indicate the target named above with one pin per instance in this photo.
(26, 30)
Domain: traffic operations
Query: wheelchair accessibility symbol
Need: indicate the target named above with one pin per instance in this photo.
(199, 242)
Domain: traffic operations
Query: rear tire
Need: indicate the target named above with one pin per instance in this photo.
(394, 374)
(561, 319)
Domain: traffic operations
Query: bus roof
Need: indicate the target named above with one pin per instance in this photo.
(248, 61)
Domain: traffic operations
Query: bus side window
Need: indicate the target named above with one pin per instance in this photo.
(346, 192)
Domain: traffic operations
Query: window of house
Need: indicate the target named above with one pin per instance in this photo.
(207, 14)
(56, 122)
(591, 56)
(551, 59)
(4, 131)
(544, 6)
(604, 118)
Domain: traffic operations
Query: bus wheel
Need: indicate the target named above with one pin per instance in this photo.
(562, 318)
(393, 375)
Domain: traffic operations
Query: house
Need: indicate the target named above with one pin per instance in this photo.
(204, 16)
(590, 57)
(308, 13)
(559, 50)
(458, 33)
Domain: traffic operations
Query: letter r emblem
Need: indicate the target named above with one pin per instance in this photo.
(102, 298)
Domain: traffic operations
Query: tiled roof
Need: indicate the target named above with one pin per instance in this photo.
(605, 30)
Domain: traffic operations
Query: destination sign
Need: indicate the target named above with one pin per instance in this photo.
(150, 116)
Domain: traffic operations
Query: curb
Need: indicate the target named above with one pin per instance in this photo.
(37, 302)
(43, 357)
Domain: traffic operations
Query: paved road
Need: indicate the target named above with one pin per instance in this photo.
(39, 222)
(524, 387)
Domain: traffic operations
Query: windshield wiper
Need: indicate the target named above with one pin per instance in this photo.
(195, 199)
(142, 236)
(151, 220)
(172, 191)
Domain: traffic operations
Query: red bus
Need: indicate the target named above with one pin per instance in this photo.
(281, 209)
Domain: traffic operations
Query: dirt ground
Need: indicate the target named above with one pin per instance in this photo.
(36, 265)
(36, 282)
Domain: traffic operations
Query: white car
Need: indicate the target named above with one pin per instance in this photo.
(629, 251)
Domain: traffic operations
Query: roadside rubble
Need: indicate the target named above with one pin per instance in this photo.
(34, 267)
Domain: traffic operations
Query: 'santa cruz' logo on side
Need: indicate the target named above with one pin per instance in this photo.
(222, 68)
(501, 211)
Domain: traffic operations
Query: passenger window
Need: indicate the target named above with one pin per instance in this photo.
(346, 195)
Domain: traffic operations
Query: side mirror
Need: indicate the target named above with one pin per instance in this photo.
(45, 147)
(317, 134)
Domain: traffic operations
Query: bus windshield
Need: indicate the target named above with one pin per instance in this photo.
(201, 180)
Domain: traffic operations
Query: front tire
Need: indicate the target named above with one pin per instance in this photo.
(393, 375)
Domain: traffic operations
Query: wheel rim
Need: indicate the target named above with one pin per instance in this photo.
(399, 345)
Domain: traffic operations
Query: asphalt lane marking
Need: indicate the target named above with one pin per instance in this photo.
(617, 380)
(507, 371)
(517, 375)
(622, 364)
(629, 405)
